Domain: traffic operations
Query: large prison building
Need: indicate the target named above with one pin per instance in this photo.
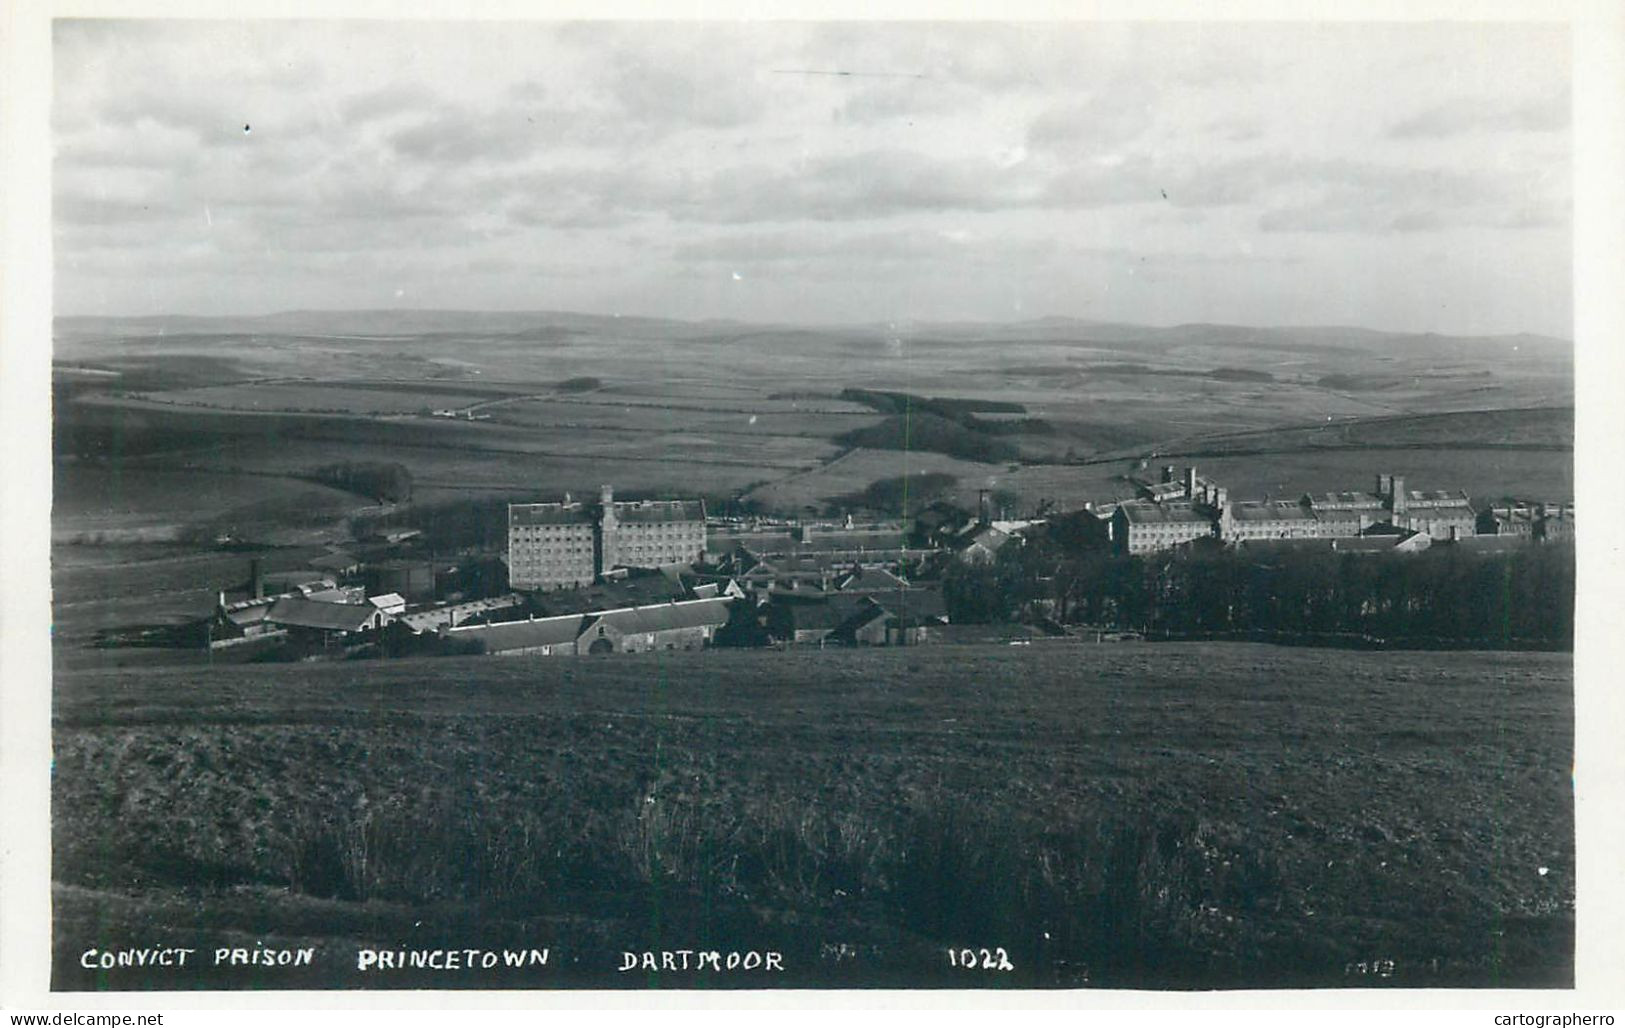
(569, 544)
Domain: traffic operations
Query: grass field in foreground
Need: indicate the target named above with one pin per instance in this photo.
(1180, 815)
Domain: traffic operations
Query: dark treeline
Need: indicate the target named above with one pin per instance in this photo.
(387, 482)
(901, 495)
(890, 402)
(1440, 597)
(932, 433)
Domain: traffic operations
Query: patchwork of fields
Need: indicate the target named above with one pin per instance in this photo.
(695, 409)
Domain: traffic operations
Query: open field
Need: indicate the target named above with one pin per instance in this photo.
(1173, 815)
(120, 503)
(1289, 474)
(1537, 428)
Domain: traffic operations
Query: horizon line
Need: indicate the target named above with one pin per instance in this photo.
(876, 323)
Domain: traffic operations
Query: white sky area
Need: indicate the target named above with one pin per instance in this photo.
(1409, 177)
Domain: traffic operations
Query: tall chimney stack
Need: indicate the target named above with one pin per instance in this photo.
(256, 581)
(1190, 483)
(984, 508)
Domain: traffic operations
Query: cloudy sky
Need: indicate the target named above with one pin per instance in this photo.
(1411, 177)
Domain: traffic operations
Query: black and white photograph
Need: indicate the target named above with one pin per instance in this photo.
(739, 504)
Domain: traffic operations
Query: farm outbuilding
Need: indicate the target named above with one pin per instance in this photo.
(313, 621)
(689, 625)
(541, 637)
(683, 625)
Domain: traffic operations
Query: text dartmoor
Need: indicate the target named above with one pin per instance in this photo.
(701, 960)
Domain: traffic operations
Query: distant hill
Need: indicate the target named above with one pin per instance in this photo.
(1303, 337)
(382, 323)
(1053, 330)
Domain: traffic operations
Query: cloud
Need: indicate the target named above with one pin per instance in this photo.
(1109, 117)
(463, 136)
(1550, 113)
(385, 103)
(647, 149)
(903, 99)
(1366, 197)
(696, 92)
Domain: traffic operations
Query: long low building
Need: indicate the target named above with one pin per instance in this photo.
(322, 622)
(1174, 513)
(680, 625)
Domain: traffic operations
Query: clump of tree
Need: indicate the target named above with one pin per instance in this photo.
(888, 401)
(580, 384)
(384, 482)
(1441, 597)
(900, 495)
(1018, 426)
(930, 433)
(447, 527)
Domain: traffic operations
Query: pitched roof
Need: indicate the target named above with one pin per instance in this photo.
(436, 616)
(1368, 543)
(1451, 510)
(337, 617)
(868, 580)
(519, 635)
(1162, 490)
(1438, 497)
(632, 591)
(1145, 512)
(660, 511)
(988, 537)
(387, 600)
(249, 614)
(1269, 546)
(1269, 510)
(1490, 543)
(828, 614)
(913, 605)
(548, 514)
(862, 615)
(665, 618)
(1347, 500)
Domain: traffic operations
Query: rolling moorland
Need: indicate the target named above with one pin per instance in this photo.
(1188, 815)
